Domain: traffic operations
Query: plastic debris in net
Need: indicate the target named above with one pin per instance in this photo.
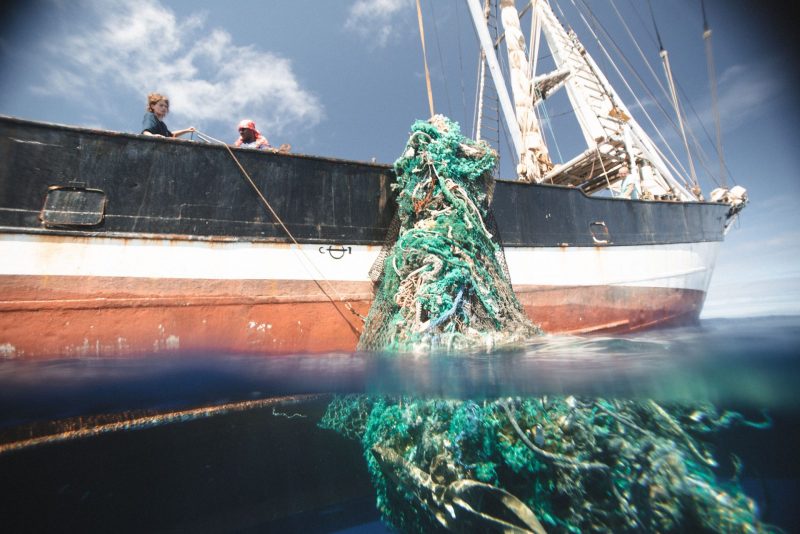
(443, 285)
(555, 464)
(558, 464)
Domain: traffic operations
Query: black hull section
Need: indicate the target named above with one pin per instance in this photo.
(182, 189)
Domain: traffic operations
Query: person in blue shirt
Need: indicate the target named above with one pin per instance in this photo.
(630, 183)
(153, 122)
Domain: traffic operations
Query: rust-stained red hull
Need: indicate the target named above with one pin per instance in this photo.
(95, 317)
(609, 309)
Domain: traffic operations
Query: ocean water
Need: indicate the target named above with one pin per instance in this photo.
(231, 443)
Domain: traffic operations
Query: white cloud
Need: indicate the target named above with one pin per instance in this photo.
(376, 19)
(145, 47)
(743, 92)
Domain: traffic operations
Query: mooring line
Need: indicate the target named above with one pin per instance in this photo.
(309, 261)
(84, 427)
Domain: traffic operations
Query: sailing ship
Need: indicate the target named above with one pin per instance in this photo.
(116, 244)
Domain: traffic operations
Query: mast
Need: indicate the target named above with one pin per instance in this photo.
(613, 137)
(534, 160)
(712, 76)
(485, 39)
(607, 124)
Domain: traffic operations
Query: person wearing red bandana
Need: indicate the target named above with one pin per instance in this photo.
(250, 137)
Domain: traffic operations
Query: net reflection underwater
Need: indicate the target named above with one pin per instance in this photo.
(455, 415)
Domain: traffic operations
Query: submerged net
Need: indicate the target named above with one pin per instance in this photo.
(558, 464)
(443, 284)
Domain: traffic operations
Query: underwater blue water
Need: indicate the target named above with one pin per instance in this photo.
(270, 468)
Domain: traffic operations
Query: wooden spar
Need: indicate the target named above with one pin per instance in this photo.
(534, 160)
(497, 76)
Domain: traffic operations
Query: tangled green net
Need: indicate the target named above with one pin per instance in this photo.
(558, 464)
(443, 286)
(561, 464)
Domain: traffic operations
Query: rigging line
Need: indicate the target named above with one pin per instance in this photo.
(521, 14)
(605, 172)
(563, 17)
(698, 146)
(655, 27)
(633, 94)
(533, 47)
(712, 76)
(702, 157)
(700, 150)
(277, 218)
(492, 16)
(504, 67)
(700, 122)
(477, 110)
(82, 427)
(425, 59)
(461, 62)
(561, 113)
(639, 49)
(506, 137)
(679, 112)
(656, 101)
(705, 18)
(547, 120)
(480, 87)
(441, 59)
(533, 67)
(671, 165)
(702, 126)
(642, 23)
(675, 102)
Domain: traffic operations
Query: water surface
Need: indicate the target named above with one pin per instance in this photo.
(226, 442)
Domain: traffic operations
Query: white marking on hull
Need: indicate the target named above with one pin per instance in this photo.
(8, 351)
(680, 266)
(149, 258)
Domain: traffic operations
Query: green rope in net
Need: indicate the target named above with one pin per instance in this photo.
(443, 286)
(558, 464)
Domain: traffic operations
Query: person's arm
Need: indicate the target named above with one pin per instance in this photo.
(179, 133)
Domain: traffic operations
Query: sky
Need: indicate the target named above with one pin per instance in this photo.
(345, 79)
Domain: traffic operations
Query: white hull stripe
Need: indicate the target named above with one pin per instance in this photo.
(679, 266)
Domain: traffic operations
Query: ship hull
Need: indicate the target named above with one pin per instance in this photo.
(162, 295)
(179, 255)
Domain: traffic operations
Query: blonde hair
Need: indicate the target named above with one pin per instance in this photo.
(155, 98)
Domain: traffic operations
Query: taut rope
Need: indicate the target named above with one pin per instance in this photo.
(277, 218)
